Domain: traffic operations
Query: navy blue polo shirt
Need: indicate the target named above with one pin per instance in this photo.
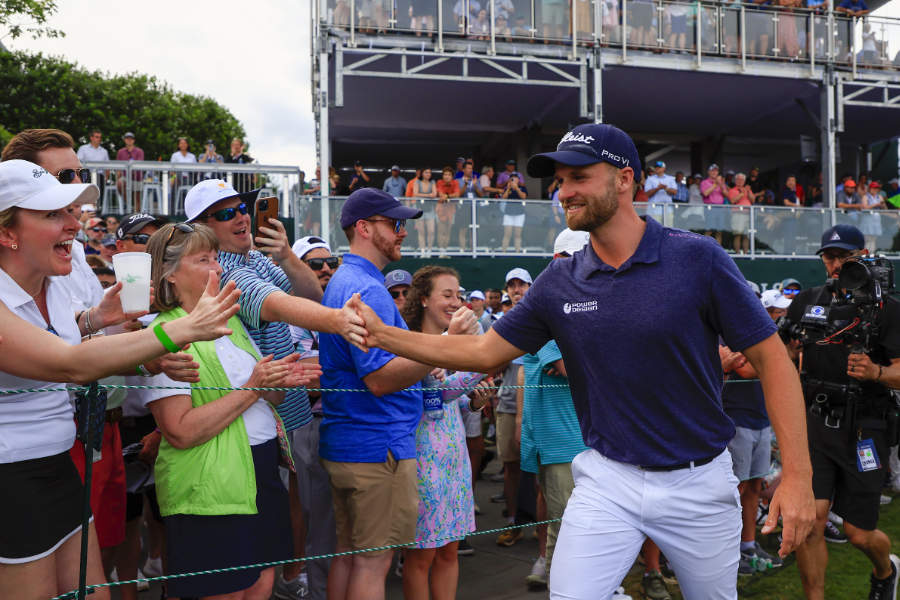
(359, 426)
(640, 342)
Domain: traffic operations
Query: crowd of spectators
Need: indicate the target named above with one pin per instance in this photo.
(672, 29)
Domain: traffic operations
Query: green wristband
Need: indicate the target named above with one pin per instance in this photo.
(164, 338)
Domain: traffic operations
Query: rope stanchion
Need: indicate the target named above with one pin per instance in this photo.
(87, 422)
(264, 565)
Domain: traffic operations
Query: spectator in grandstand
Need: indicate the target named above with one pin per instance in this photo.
(244, 182)
(788, 43)
(469, 188)
(182, 179)
(741, 196)
(426, 190)
(513, 212)
(639, 194)
(503, 177)
(892, 193)
(445, 211)
(789, 198)
(367, 441)
(678, 25)
(756, 185)
(395, 185)
(397, 283)
(714, 192)
(94, 230)
(485, 183)
(854, 8)
(693, 183)
(460, 163)
(336, 187)
(553, 15)
(502, 29)
(411, 184)
(313, 187)
(228, 440)
(446, 511)
(210, 155)
(360, 178)
(481, 26)
(182, 155)
(94, 152)
(848, 200)
(421, 14)
(682, 192)
(870, 221)
(130, 152)
(660, 189)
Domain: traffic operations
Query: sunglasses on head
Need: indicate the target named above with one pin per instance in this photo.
(182, 227)
(138, 238)
(227, 214)
(397, 293)
(68, 175)
(316, 264)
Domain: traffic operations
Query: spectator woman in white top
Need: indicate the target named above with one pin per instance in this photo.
(40, 508)
(426, 190)
(870, 221)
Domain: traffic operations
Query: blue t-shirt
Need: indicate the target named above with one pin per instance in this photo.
(640, 342)
(854, 5)
(745, 404)
(360, 426)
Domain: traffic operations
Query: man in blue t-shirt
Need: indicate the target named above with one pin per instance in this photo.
(367, 438)
(636, 315)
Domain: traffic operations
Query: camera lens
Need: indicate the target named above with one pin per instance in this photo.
(854, 276)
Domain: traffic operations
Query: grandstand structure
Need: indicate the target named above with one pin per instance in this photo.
(418, 82)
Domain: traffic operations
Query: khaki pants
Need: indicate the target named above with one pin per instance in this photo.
(556, 484)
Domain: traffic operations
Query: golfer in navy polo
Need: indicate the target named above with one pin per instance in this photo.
(637, 315)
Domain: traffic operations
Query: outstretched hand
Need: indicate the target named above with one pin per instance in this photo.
(793, 501)
(209, 319)
(352, 325)
(373, 324)
(463, 322)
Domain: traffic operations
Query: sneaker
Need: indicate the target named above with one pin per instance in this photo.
(295, 589)
(746, 565)
(537, 580)
(654, 587)
(885, 499)
(509, 537)
(620, 594)
(498, 498)
(496, 477)
(885, 589)
(142, 586)
(153, 567)
(774, 560)
(477, 510)
(836, 519)
(465, 548)
(398, 571)
(833, 534)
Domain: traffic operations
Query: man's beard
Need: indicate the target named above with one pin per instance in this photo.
(385, 246)
(597, 210)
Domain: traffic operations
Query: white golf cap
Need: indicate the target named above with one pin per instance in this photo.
(519, 273)
(774, 299)
(310, 242)
(476, 295)
(208, 192)
(570, 242)
(26, 185)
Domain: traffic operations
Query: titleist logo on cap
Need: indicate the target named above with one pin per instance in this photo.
(575, 137)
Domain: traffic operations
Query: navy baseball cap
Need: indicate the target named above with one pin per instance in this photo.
(397, 277)
(586, 145)
(842, 236)
(368, 202)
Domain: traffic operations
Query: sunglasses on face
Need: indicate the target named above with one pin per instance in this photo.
(227, 214)
(98, 229)
(68, 175)
(790, 291)
(397, 293)
(316, 264)
(397, 224)
(139, 238)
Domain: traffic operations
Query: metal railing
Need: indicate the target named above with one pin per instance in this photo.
(742, 31)
(161, 187)
(480, 227)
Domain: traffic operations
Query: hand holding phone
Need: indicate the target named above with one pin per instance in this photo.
(276, 245)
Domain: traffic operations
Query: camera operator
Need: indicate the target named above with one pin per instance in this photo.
(849, 412)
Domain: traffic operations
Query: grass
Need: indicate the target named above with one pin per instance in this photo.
(847, 577)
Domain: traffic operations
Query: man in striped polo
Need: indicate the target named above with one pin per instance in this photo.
(273, 296)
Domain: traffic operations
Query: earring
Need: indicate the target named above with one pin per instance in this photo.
(14, 246)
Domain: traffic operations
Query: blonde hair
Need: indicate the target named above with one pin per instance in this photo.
(167, 246)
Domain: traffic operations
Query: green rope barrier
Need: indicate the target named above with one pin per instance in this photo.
(264, 565)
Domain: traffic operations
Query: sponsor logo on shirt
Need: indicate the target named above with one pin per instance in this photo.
(577, 307)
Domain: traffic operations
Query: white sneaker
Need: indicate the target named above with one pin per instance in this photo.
(837, 520)
(295, 589)
(620, 594)
(885, 499)
(153, 567)
(142, 586)
(538, 577)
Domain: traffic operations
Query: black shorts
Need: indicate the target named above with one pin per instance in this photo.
(133, 429)
(40, 507)
(835, 474)
(640, 14)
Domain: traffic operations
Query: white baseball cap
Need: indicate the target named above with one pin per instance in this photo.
(519, 273)
(208, 192)
(302, 246)
(476, 295)
(26, 185)
(570, 242)
(774, 299)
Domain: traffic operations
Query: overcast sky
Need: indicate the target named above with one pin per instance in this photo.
(252, 57)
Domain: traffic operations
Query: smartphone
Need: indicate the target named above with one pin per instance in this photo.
(264, 209)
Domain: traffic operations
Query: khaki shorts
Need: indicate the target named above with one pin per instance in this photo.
(506, 437)
(375, 504)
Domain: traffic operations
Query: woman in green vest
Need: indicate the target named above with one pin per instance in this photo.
(217, 482)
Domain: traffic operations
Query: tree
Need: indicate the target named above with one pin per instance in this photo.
(42, 91)
(28, 16)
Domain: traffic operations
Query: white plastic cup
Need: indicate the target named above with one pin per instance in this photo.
(133, 270)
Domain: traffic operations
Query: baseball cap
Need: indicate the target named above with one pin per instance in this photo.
(108, 240)
(588, 144)
(128, 134)
(774, 299)
(791, 281)
(395, 168)
(302, 246)
(659, 163)
(698, 176)
(208, 192)
(712, 166)
(894, 180)
(570, 242)
(476, 295)
(460, 159)
(519, 273)
(135, 222)
(874, 184)
(511, 161)
(88, 208)
(26, 185)
(843, 236)
(397, 277)
(849, 183)
(94, 222)
(368, 202)
(504, 299)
